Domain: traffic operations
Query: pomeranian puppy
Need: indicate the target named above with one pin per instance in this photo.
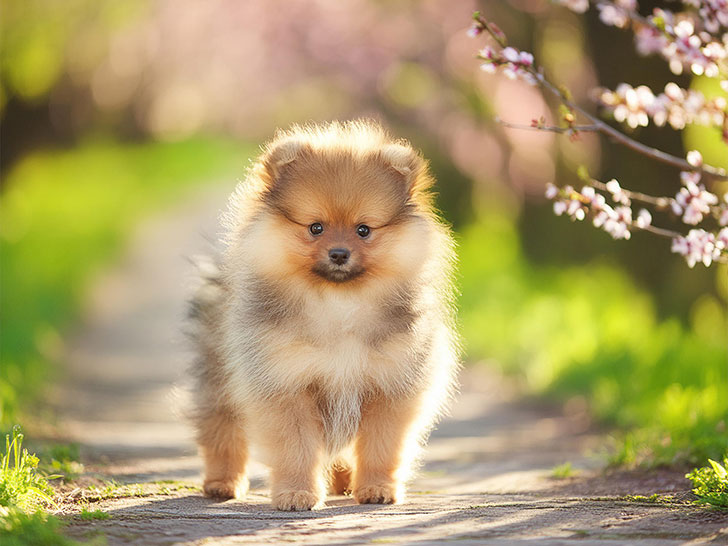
(324, 334)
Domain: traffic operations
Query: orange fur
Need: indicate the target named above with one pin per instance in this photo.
(336, 371)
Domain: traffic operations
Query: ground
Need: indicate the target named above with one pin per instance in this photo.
(486, 479)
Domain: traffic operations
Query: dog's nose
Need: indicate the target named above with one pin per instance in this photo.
(339, 255)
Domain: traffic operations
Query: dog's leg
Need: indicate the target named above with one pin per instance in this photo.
(292, 435)
(381, 450)
(225, 451)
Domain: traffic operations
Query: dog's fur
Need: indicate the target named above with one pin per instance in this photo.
(337, 372)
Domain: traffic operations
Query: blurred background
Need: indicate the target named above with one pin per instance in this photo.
(112, 112)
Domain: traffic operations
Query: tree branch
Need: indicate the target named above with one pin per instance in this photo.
(599, 125)
(549, 128)
(623, 139)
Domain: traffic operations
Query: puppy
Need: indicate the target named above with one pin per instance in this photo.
(325, 336)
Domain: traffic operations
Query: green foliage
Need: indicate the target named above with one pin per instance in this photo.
(36, 37)
(62, 460)
(20, 484)
(589, 331)
(710, 483)
(93, 515)
(66, 214)
(563, 471)
(655, 498)
(20, 529)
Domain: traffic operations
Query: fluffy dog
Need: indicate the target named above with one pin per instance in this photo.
(325, 334)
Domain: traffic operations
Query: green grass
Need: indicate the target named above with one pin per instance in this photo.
(62, 460)
(93, 515)
(23, 495)
(589, 332)
(655, 498)
(563, 471)
(710, 483)
(18, 528)
(67, 214)
(21, 485)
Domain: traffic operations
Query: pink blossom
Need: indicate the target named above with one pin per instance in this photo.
(644, 219)
(714, 14)
(695, 158)
(510, 54)
(551, 191)
(618, 195)
(579, 6)
(722, 239)
(723, 219)
(475, 30)
(700, 246)
(618, 224)
(675, 106)
(512, 63)
(693, 201)
(616, 13)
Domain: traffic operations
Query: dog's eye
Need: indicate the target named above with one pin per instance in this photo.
(316, 229)
(363, 231)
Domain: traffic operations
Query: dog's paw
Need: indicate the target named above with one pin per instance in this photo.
(225, 489)
(293, 500)
(376, 494)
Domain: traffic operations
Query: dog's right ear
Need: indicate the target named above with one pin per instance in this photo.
(280, 154)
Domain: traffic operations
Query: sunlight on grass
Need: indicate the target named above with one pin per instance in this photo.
(710, 483)
(589, 331)
(563, 471)
(65, 215)
(93, 515)
(20, 484)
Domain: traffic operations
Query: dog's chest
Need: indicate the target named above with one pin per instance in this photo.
(334, 314)
(340, 330)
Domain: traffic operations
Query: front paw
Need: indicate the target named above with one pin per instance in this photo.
(294, 500)
(225, 489)
(376, 494)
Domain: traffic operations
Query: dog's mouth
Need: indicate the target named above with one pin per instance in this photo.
(337, 273)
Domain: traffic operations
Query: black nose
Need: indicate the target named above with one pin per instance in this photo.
(339, 255)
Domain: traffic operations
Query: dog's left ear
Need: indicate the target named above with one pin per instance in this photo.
(408, 164)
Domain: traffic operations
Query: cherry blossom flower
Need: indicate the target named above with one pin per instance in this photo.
(695, 158)
(616, 13)
(700, 246)
(618, 195)
(684, 39)
(579, 6)
(693, 201)
(514, 64)
(475, 30)
(676, 106)
(644, 219)
(723, 217)
(722, 239)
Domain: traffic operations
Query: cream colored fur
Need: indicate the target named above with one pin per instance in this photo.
(322, 375)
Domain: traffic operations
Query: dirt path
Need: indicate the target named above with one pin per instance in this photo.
(486, 478)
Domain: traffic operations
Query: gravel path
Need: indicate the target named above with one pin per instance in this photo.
(486, 477)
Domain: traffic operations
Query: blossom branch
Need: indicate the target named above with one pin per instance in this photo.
(520, 66)
(660, 203)
(698, 245)
(537, 126)
(693, 203)
(685, 40)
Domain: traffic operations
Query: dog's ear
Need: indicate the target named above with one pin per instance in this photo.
(407, 163)
(281, 153)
